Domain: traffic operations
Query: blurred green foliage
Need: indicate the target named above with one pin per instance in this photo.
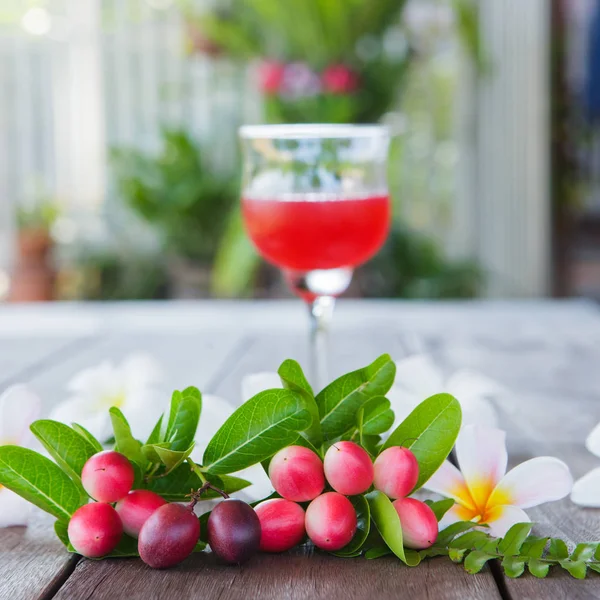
(179, 193)
(411, 265)
(363, 36)
(41, 215)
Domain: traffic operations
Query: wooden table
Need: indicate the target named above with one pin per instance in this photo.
(547, 353)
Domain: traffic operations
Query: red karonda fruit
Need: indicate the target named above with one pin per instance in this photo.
(330, 521)
(419, 525)
(234, 531)
(297, 474)
(136, 508)
(396, 472)
(95, 530)
(168, 536)
(281, 523)
(348, 468)
(107, 476)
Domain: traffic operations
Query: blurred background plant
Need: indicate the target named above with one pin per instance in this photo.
(317, 61)
(185, 200)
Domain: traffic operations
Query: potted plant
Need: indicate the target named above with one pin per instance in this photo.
(184, 199)
(33, 274)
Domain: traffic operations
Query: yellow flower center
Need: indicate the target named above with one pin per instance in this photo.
(109, 401)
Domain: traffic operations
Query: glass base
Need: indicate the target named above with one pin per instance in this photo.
(310, 285)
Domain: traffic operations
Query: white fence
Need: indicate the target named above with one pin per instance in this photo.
(112, 72)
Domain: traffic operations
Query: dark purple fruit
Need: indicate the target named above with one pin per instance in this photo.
(168, 536)
(233, 531)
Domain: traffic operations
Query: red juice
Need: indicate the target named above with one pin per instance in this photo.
(311, 234)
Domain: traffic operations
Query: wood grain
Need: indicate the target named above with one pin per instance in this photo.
(32, 559)
(277, 577)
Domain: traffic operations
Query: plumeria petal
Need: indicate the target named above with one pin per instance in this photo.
(592, 443)
(481, 454)
(478, 411)
(19, 407)
(586, 491)
(141, 370)
(14, 510)
(259, 382)
(533, 482)
(455, 514)
(74, 411)
(501, 518)
(448, 481)
(419, 375)
(215, 411)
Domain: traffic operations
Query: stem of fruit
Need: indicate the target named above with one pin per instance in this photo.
(197, 470)
(197, 495)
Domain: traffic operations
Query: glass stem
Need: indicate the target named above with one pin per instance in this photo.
(320, 311)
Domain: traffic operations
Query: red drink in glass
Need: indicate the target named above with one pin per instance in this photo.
(315, 233)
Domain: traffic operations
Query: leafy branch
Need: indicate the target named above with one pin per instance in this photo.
(517, 551)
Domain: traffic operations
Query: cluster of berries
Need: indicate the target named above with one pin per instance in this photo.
(298, 475)
(167, 533)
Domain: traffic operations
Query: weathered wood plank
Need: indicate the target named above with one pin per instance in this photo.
(32, 560)
(277, 577)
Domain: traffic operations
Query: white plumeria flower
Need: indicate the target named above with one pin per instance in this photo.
(215, 411)
(586, 491)
(130, 386)
(19, 407)
(418, 378)
(485, 493)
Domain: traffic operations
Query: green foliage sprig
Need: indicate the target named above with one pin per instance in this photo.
(353, 407)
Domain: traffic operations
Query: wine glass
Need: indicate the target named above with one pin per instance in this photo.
(315, 203)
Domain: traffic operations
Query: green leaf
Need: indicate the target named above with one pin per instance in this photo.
(538, 568)
(150, 451)
(60, 528)
(84, 433)
(513, 566)
(430, 431)
(450, 532)
(476, 560)
(577, 569)
(470, 540)
(387, 521)
(413, 558)
(69, 449)
(39, 481)
(172, 458)
(125, 442)
(184, 415)
(511, 543)
(377, 417)
(594, 567)
(363, 515)
(457, 555)
(584, 551)
(377, 552)
(534, 546)
(176, 486)
(128, 547)
(293, 378)
(339, 402)
(269, 421)
(155, 436)
(558, 549)
(441, 507)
